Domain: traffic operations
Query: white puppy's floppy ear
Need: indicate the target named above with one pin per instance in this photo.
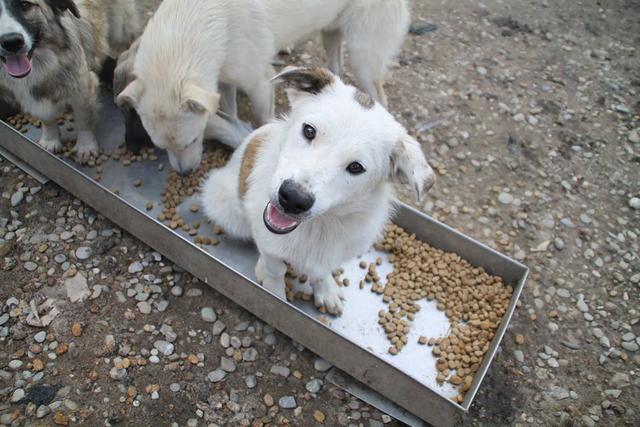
(304, 81)
(198, 99)
(409, 166)
(130, 95)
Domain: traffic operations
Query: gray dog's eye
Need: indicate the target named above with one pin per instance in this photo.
(355, 168)
(308, 131)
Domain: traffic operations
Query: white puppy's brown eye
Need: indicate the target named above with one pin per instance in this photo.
(355, 168)
(309, 131)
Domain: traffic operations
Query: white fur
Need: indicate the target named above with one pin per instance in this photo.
(349, 212)
(212, 42)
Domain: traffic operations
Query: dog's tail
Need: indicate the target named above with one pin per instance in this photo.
(221, 201)
(374, 31)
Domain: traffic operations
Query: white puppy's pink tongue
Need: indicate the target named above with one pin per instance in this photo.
(279, 219)
(17, 65)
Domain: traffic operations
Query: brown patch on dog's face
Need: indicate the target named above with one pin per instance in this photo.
(307, 79)
(248, 162)
(364, 99)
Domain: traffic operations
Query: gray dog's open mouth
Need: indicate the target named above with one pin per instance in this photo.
(277, 221)
(17, 65)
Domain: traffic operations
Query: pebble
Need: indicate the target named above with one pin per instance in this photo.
(630, 346)
(314, 385)
(287, 402)
(634, 136)
(250, 355)
(17, 395)
(558, 243)
(174, 387)
(30, 266)
(15, 364)
(519, 355)
(117, 373)
(4, 318)
(634, 203)
(559, 393)
(218, 328)
(177, 291)
(208, 314)
(83, 252)
(164, 347)
(17, 198)
(135, 267)
(322, 365)
(270, 339)
(505, 198)
(280, 370)
(216, 376)
(40, 336)
(42, 411)
(251, 381)
(144, 307)
(227, 365)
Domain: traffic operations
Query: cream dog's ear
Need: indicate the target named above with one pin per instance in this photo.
(409, 166)
(199, 100)
(302, 82)
(130, 95)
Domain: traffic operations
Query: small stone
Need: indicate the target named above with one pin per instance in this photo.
(208, 314)
(505, 198)
(135, 267)
(270, 339)
(314, 385)
(42, 411)
(558, 243)
(164, 347)
(287, 402)
(177, 291)
(615, 393)
(30, 266)
(218, 327)
(117, 373)
(15, 364)
(630, 346)
(519, 117)
(76, 329)
(604, 341)
(83, 252)
(634, 136)
(40, 336)
(519, 339)
(519, 355)
(61, 419)
(280, 370)
(634, 203)
(216, 376)
(250, 355)
(559, 393)
(319, 416)
(174, 387)
(16, 198)
(322, 365)
(250, 381)
(144, 307)
(268, 400)
(17, 395)
(227, 365)
(77, 289)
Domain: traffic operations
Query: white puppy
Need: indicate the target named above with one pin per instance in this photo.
(315, 188)
(191, 47)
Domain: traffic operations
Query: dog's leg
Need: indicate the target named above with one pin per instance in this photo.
(270, 272)
(50, 139)
(85, 112)
(230, 132)
(332, 40)
(261, 95)
(327, 294)
(228, 101)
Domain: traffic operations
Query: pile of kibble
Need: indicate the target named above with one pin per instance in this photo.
(178, 188)
(473, 301)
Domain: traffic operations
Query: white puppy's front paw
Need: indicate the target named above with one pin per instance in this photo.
(85, 148)
(329, 296)
(51, 145)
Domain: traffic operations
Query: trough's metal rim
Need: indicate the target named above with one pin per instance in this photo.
(70, 170)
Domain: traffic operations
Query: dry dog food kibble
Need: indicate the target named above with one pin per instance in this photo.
(473, 301)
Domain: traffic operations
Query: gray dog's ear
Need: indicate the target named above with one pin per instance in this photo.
(304, 81)
(409, 166)
(59, 6)
(129, 97)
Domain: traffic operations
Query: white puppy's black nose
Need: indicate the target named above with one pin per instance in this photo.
(12, 42)
(294, 199)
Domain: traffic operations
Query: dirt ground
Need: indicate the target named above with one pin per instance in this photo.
(538, 156)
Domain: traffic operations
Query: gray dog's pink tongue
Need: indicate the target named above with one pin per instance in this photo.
(17, 65)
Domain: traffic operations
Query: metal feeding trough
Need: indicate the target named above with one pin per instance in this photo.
(353, 342)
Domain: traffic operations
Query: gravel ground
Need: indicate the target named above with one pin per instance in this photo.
(537, 156)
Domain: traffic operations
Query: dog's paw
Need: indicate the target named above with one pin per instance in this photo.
(83, 151)
(329, 296)
(52, 145)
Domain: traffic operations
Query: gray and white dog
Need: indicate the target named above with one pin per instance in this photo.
(52, 50)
